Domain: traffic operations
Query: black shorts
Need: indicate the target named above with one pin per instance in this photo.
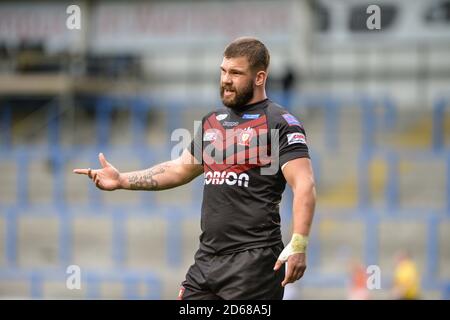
(243, 275)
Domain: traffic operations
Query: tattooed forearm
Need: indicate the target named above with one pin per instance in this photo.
(145, 180)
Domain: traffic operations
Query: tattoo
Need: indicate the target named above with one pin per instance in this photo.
(145, 180)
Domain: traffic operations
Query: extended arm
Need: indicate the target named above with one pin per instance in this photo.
(162, 176)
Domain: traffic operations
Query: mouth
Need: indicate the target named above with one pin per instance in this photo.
(228, 92)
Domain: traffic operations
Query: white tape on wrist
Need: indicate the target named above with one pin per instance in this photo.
(297, 244)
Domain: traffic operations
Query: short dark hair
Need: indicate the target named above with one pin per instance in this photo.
(254, 50)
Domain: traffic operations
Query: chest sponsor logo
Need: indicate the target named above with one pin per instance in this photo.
(220, 117)
(230, 123)
(296, 137)
(250, 116)
(229, 178)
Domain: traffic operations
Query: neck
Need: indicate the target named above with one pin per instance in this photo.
(249, 105)
(258, 95)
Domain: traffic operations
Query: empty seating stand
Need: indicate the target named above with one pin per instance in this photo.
(378, 192)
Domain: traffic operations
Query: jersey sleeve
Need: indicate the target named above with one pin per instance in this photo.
(292, 139)
(195, 148)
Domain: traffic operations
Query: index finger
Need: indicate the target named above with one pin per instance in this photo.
(81, 171)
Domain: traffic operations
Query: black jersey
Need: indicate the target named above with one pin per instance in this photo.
(240, 208)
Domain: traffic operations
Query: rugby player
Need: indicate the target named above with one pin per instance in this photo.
(241, 253)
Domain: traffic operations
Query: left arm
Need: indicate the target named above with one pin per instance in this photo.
(299, 175)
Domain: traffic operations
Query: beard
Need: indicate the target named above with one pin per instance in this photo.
(241, 97)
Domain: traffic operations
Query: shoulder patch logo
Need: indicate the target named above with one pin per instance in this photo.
(291, 120)
(296, 137)
(209, 136)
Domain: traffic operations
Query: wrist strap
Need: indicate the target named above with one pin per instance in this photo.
(299, 243)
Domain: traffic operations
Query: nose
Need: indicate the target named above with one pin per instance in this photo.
(226, 79)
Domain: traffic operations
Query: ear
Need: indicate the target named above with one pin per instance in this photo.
(260, 78)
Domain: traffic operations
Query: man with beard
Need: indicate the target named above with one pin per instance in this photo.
(241, 254)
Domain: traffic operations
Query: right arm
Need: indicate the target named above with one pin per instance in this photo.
(166, 175)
